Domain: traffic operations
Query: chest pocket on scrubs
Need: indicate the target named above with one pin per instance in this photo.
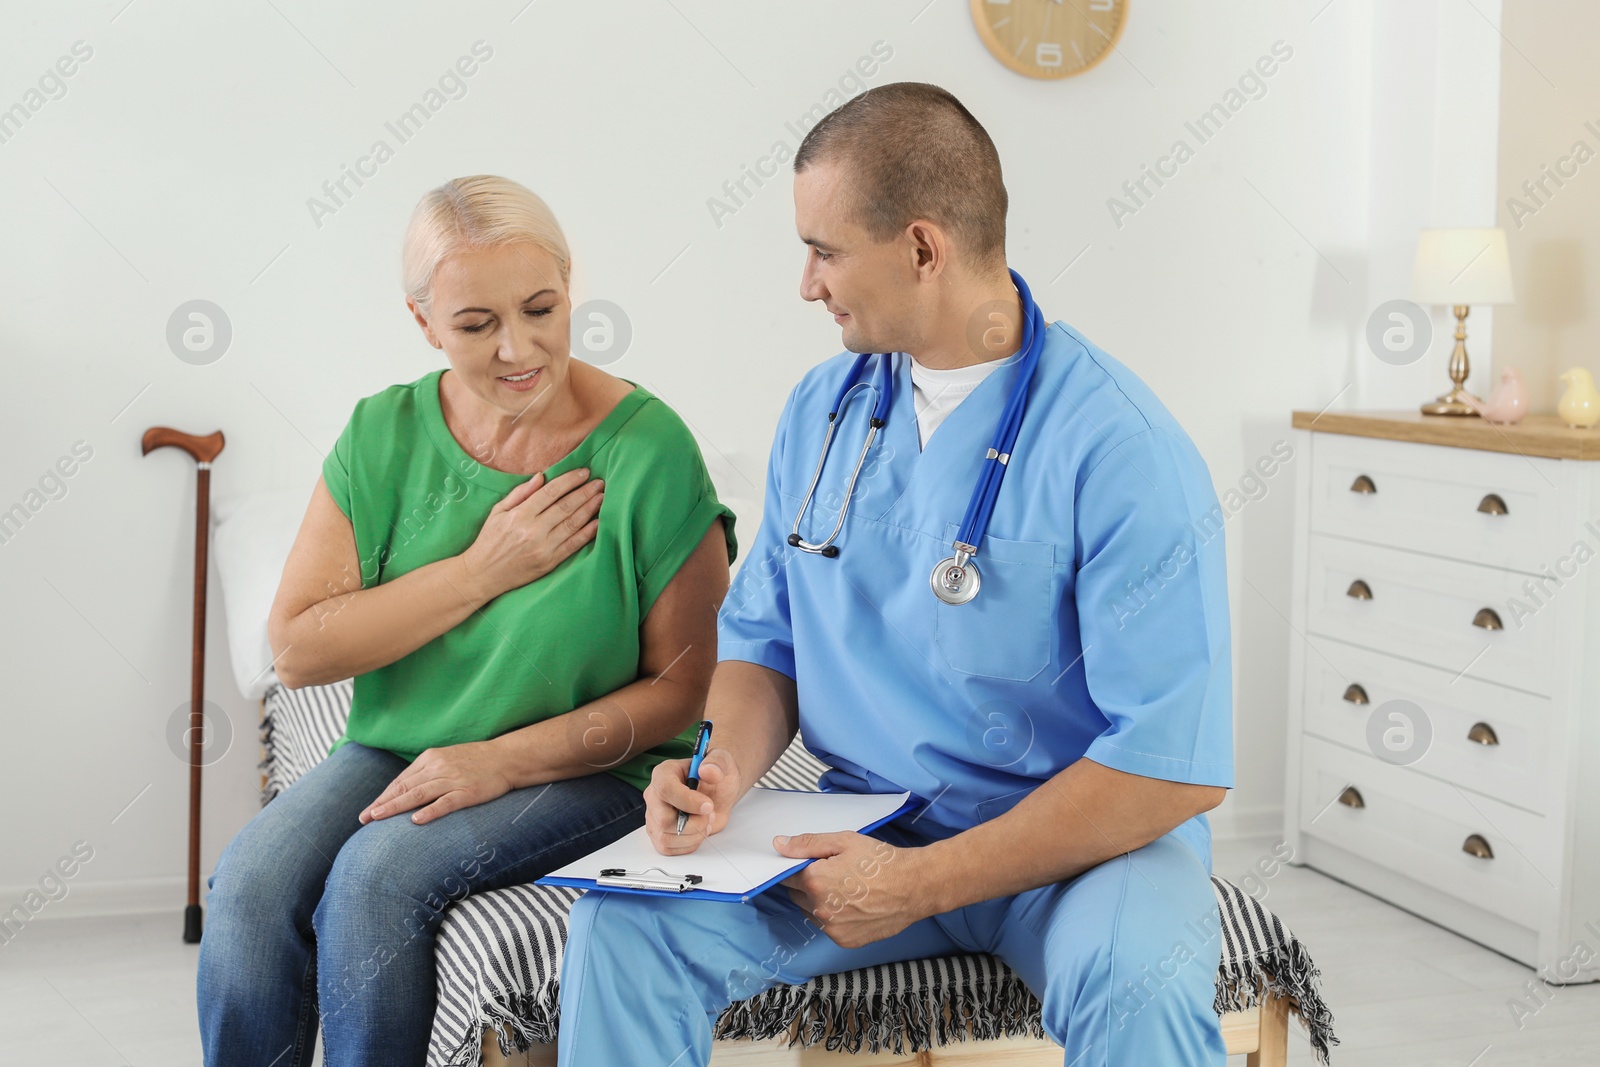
(1008, 630)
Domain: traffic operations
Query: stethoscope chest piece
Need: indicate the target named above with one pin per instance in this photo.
(955, 580)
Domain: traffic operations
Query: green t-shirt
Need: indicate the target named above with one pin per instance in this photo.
(414, 496)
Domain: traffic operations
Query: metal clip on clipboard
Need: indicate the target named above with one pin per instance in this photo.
(621, 876)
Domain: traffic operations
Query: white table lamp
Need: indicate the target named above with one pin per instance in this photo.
(1460, 267)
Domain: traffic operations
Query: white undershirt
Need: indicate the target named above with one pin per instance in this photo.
(936, 393)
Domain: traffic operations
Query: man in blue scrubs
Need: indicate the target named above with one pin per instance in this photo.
(1066, 729)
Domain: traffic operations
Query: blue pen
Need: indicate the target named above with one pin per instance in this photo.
(702, 741)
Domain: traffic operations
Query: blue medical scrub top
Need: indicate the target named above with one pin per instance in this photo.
(1101, 628)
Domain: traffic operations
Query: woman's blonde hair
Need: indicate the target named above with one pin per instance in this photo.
(482, 210)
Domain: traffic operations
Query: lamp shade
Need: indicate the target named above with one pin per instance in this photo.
(1462, 266)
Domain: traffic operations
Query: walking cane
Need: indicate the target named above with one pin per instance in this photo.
(203, 450)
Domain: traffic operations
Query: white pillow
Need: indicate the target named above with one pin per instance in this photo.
(735, 489)
(251, 537)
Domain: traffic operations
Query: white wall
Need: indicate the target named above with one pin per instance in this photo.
(178, 165)
(1550, 86)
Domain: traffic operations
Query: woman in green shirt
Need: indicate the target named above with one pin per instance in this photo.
(519, 559)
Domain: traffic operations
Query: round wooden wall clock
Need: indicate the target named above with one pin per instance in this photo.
(1049, 38)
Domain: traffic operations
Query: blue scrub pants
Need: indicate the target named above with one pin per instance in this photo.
(1123, 959)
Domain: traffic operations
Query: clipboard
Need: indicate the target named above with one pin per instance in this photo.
(649, 878)
(738, 863)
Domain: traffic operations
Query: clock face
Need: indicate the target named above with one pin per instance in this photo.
(1049, 38)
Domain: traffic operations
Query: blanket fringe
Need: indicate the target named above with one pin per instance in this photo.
(518, 1023)
(1292, 975)
(909, 1023)
(897, 1023)
(264, 735)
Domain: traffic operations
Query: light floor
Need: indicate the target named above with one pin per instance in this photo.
(119, 992)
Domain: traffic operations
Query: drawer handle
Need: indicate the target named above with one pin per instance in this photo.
(1493, 504)
(1488, 619)
(1363, 484)
(1362, 591)
(1355, 694)
(1351, 797)
(1483, 733)
(1475, 845)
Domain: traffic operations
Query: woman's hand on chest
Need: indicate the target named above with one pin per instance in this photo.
(532, 529)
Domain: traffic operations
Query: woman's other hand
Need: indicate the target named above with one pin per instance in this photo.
(708, 806)
(442, 780)
(533, 528)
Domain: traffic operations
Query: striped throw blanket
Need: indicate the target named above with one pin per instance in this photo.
(499, 953)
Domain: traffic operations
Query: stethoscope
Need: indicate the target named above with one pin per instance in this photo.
(955, 579)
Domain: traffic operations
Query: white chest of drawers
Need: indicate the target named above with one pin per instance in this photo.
(1444, 675)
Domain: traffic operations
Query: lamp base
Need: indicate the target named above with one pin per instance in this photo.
(1455, 402)
(1452, 403)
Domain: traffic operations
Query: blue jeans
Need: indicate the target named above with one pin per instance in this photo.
(1123, 959)
(310, 911)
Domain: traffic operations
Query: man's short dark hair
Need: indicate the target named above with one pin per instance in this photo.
(910, 150)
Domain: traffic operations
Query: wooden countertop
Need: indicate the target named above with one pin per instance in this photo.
(1535, 435)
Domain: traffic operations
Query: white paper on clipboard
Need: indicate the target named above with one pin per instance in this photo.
(739, 861)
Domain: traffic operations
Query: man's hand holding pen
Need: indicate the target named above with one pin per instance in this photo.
(707, 806)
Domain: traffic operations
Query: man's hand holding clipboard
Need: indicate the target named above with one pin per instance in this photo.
(854, 892)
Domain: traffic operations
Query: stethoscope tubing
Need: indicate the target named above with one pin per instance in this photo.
(880, 414)
(985, 494)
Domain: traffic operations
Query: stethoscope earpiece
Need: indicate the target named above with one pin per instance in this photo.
(831, 551)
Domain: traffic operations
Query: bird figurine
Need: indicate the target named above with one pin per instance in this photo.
(1509, 401)
(1580, 404)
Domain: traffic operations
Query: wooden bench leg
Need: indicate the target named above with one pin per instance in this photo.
(1273, 1047)
(538, 1056)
